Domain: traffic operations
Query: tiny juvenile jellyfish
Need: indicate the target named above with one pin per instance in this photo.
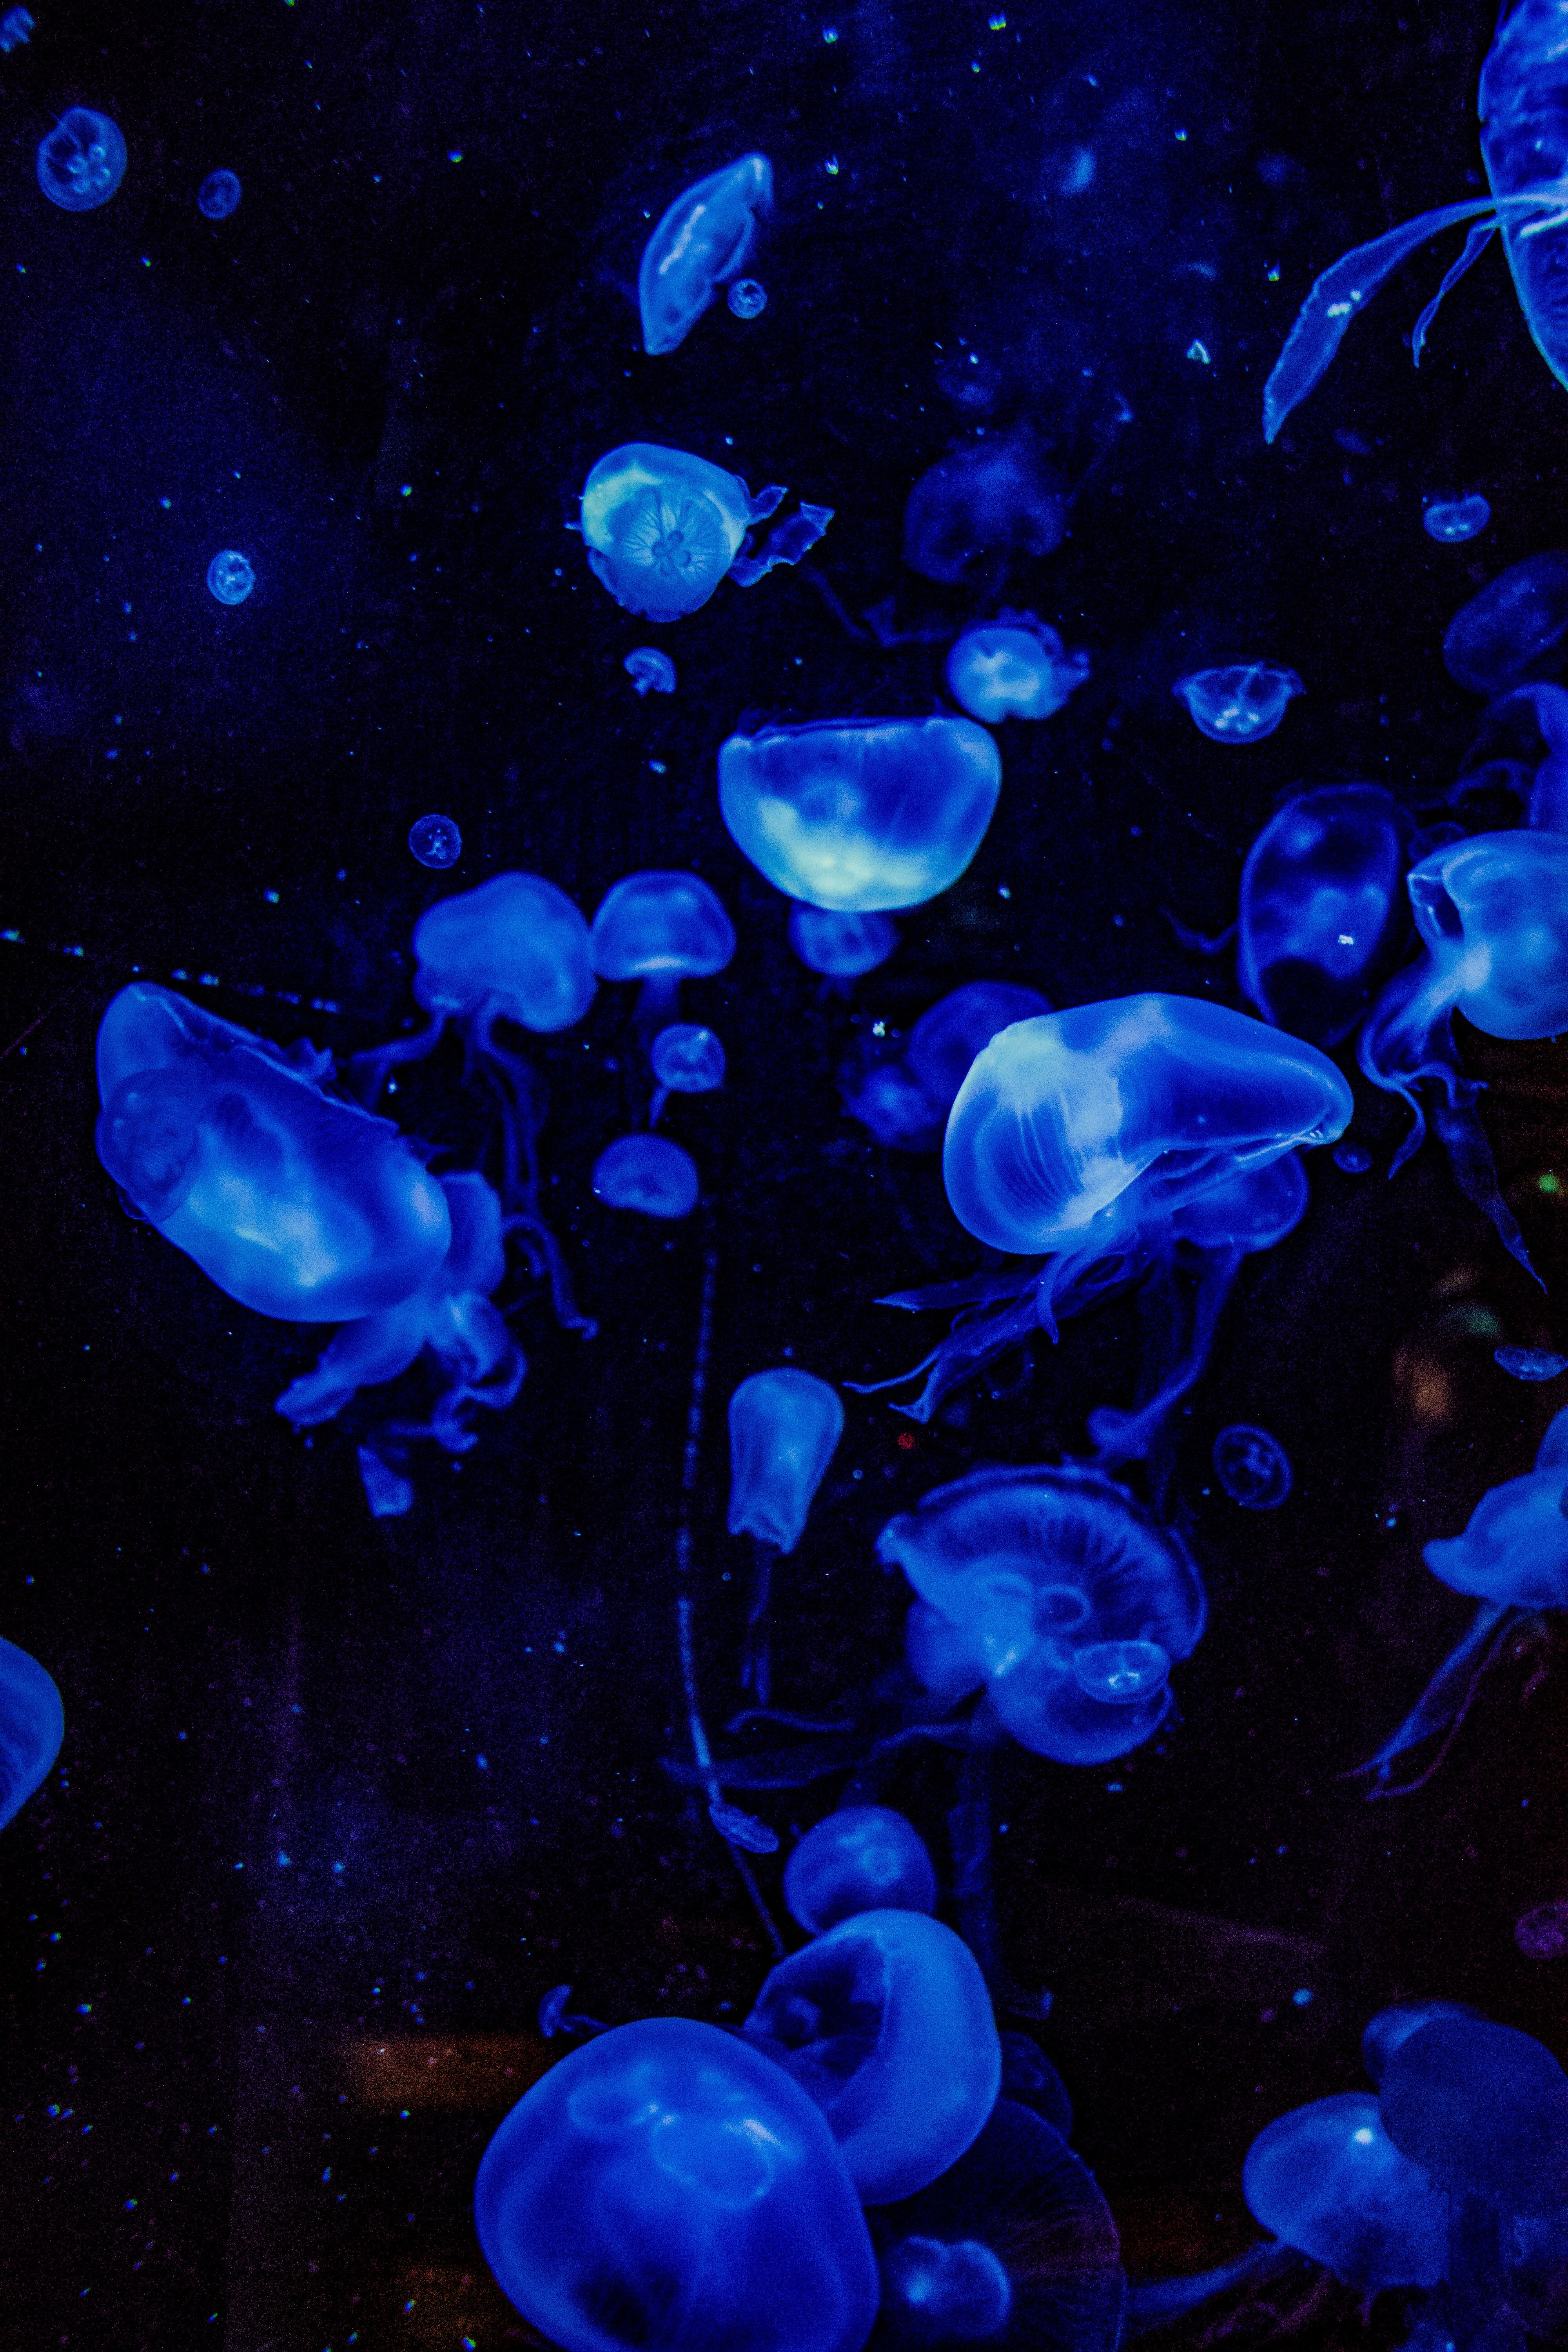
(1323, 914)
(1241, 703)
(704, 239)
(906, 1101)
(861, 1858)
(667, 2184)
(1252, 1467)
(1013, 668)
(662, 528)
(841, 946)
(230, 576)
(1491, 641)
(989, 502)
(1329, 2180)
(660, 929)
(650, 671)
(747, 299)
(885, 2021)
(1541, 1934)
(82, 160)
(32, 1726)
(783, 1427)
(860, 817)
(1531, 1363)
(1452, 520)
(218, 195)
(649, 1174)
(688, 1059)
(1352, 1159)
(436, 841)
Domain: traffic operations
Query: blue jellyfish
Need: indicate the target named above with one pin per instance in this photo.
(1241, 703)
(667, 2185)
(1383, 2033)
(1102, 1138)
(295, 1203)
(1253, 1467)
(648, 1173)
(1014, 667)
(885, 2021)
(15, 30)
(861, 815)
(747, 299)
(1323, 913)
(841, 946)
(1329, 2180)
(663, 528)
(1548, 811)
(688, 1059)
(650, 671)
(1450, 520)
(783, 1427)
(905, 1100)
(1531, 1363)
(451, 1315)
(660, 929)
(703, 241)
(32, 1726)
(82, 160)
(218, 195)
(861, 1858)
(970, 514)
(1493, 913)
(1491, 641)
(1483, 2109)
(436, 841)
(1059, 1594)
(230, 576)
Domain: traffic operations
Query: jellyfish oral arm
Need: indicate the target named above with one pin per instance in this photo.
(1445, 1703)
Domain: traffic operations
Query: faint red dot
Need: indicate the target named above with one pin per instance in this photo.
(906, 1441)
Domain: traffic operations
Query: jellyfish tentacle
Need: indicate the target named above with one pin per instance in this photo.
(524, 1107)
(371, 1068)
(1445, 1701)
(970, 1822)
(1471, 1157)
(1154, 2304)
(1120, 1436)
(1475, 243)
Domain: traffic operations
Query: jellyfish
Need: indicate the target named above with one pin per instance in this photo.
(1493, 913)
(451, 1315)
(660, 929)
(747, 299)
(1491, 641)
(1451, 521)
(663, 528)
(1540, 1933)
(1253, 1467)
(648, 1173)
(885, 2021)
(32, 1726)
(1383, 2033)
(906, 1101)
(15, 30)
(218, 195)
(970, 514)
(783, 1427)
(436, 841)
(295, 1203)
(1013, 668)
(230, 576)
(1530, 1363)
(1329, 2180)
(1322, 913)
(687, 1060)
(82, 160)
(1483, 2109)
(650, 671)
(666, 2185)
(841, 946)
(861, 1858)
(703, 241)
(1239, 704)
(861, 815)
(1102, 1139)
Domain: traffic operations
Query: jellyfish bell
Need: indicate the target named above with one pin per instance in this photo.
(841, 946)
(702, 240)
(986, 504)
(1241, 702)
(1322, 909)
(783, 1427)
(1483, 2109)
(32, 1726)
(1013, 668)
(861, 1858)
(515, 946)
(662, 528)
(660, 929)
(1491, 641)
(1329, 2180)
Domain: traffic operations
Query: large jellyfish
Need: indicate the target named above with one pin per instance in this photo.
(1328, 2180)
(904, 1099)
(32, 1726)
(861, 815)
(663, 528)
(667, 2188)
(701, 242)
(1322, 910)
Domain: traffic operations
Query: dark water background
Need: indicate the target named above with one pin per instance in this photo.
(243, 2100)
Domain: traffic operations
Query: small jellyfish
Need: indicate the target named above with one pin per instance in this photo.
(861, 815)
(688, 1059)
(667, 2185)
(701, 241)
(387, 1493)
(1352, 1159)
(1328, 2180)
(748, 298)
(954, 2290)
(15, 30)
(230, 576)
(861, 1858)
(1531, 1363)
(906, 1102)
(660, 929)
(1483, 2109)
(649, 1174)
(1013, 668)
(970, 514)
(743, 1830)
(1253, 1467)
(783, 1427)
(1452, 520)
(32, 1726)
(218, 195)
(1324, 916)
(1239, 704)
(663, 528)
(1517, 617)
(840, 946)
(436, 841)
(885, 2021)
(650, 671)
(82, 160)
(1540, 1934)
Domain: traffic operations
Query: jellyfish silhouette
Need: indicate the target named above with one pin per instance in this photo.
(1453, 520)
(662, 528)
(861, 1858)
(1322, 913)
(1517, 617)
(1239, 704)
(783, 1427)
(703, 241)
(32, 1726)
(971, 514)
(905, 1100)
(841, 946)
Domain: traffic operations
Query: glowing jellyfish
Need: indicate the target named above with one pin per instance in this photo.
(1013, 668)
(1253, 1467)
(32, 1726)
(885, 2021)
(861, 1858)
(861, 815)
(1483, 2109)
(663, 528)
(1390, 2027)
(650, 671)
(1530, 1363)
(82, 160)
(1540, 1933)
(783, 1427)
(1352, 1159)
(747, 299)
(1328, 2180)
(1322, 909)
(388, 1494)
(688, 1059)
(15, 30)
(1515, 618)
(703, 241)
(648, 1173)
(840, 946)
(436, 841)
(1239, 704)
(1058, 1593)
(1450, 520)
(991, 501)
(295, 1203)
(230, 576)
(905, 1101)
(667, 2185)
(218, 195)
(660, 929)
